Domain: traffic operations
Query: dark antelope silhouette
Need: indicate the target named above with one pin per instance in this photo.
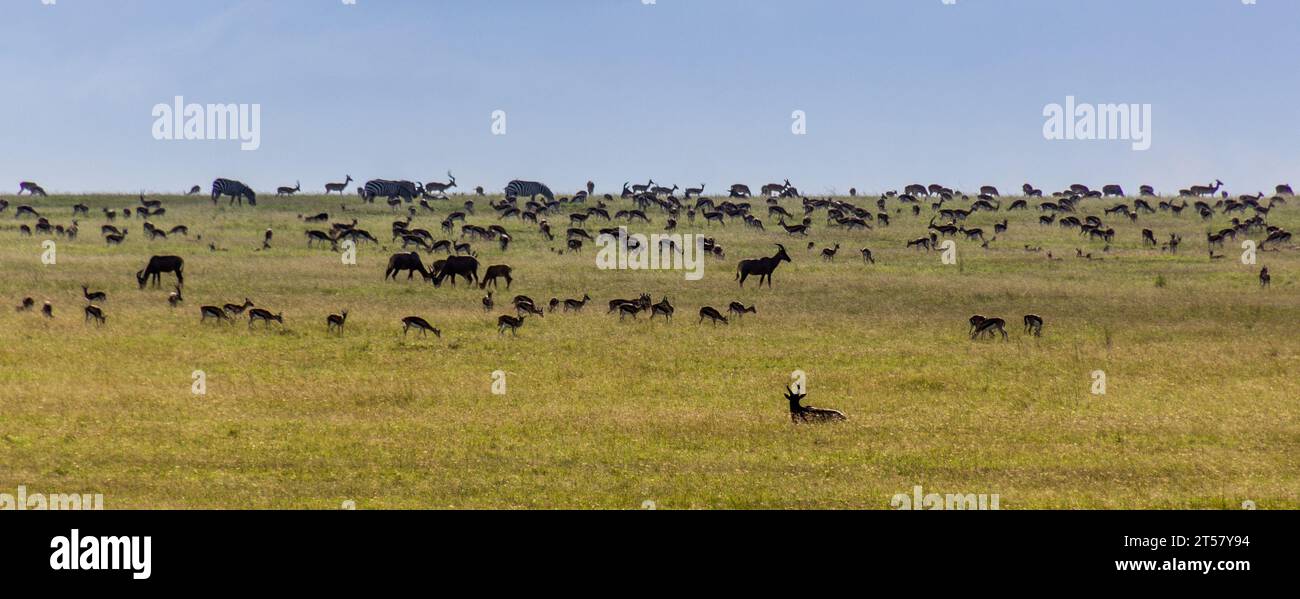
(808, 414)
(265, 316)
(990, 327)
(495, 272)
(334, 321)
(712, 314)
(740, 309)
(419, 324)
(1034, 325)
(97, 296)
(762, 267)
(159, 265)
(510, 322)
(95, 313)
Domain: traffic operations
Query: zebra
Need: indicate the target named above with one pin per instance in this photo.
(531, 189)
(389, 189)
(234, 189)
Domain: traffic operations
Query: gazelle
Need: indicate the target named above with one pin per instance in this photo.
(419, 324)
(339, 187)
(336, 321)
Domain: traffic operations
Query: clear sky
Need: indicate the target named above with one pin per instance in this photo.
(684, 91)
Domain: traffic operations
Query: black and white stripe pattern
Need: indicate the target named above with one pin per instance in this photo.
(529, 189)
(384, 188)
(234, 189)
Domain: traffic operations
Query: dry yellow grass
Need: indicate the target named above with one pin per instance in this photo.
(1200, 411)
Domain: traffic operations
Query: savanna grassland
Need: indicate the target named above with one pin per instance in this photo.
(1201, 410)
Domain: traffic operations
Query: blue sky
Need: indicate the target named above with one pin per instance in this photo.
(684, 91)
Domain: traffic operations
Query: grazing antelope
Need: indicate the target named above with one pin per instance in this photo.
(866, 255)
(113, 238)
(317, 237)
(809, 414)
(215, 312)
(1034, 324)
(740, 309)
(336, 321)
(1264, 278)
(265, 316)
(95, 313)
(31, 189)
(194, 190)
(763, 267)
(339, 187)
(990, 326)
(419, 324)
(712, 314)
(505, 321)
(289, 191)
(97, 296)
(174, 298)
(493, 273)
(159, 265)
(975, 322)
(408, 262)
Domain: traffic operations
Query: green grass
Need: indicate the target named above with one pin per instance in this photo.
(1200, 410)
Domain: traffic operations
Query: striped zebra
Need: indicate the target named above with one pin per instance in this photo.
(234, 189)
(530, 189)
(383, 188)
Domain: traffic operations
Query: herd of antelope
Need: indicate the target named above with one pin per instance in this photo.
(534, 203)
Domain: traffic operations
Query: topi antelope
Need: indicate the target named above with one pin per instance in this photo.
(159, 265)
(763, 267)
(809, 414)
(493, 273)
(419, 324)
